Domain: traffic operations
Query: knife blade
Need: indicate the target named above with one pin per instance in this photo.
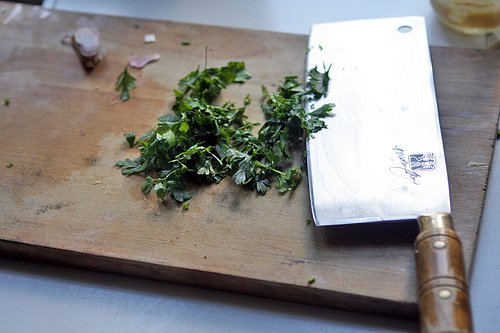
(381, 158)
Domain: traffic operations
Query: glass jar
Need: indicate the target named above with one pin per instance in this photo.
(469, 16)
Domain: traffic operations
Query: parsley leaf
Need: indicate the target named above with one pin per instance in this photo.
(318, 82)
(124, 83)
(130, 167)
(130, 137)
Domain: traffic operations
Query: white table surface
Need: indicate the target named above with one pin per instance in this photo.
(37, 297)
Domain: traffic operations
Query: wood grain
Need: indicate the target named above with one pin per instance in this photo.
(64, 201)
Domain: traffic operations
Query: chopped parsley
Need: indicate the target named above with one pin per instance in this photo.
(206, 142)
(124, 83)
(6, 101)
(130, 137)
(318, 82)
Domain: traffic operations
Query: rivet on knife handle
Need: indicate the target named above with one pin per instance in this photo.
(444, 304)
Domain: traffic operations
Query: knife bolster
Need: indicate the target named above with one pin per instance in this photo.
(435, 221)
(444, 304)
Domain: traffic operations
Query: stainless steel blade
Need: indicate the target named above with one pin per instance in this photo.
(381, 157)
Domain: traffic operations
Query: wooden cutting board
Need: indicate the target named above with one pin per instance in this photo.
(62, 199)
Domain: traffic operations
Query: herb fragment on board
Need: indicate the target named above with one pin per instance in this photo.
(474, 164)
(130, 137)
(6, 101)
(185, 43)
(9, 165)
(204, 141)
(308, 221)
(124, 83)
(311, 280)
(185, 205)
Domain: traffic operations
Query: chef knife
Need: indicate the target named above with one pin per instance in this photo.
(382, 158)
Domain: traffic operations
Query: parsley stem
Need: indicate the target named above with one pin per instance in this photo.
(206, 56)
(214, 156)
(267, 167)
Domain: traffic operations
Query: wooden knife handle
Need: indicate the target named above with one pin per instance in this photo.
(444, 304)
